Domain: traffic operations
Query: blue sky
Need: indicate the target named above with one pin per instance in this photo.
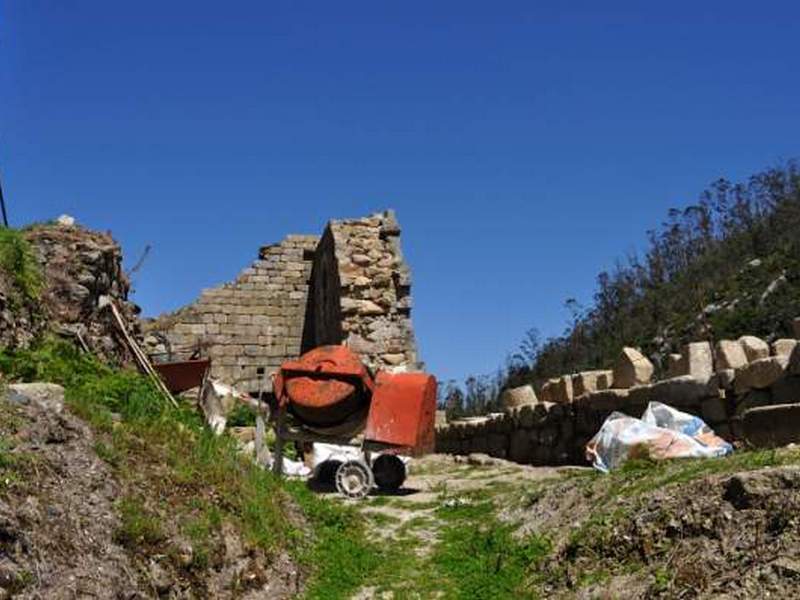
(524, 145)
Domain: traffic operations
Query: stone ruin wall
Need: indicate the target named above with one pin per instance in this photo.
(351, 286)
(361, 293)
(719, 386)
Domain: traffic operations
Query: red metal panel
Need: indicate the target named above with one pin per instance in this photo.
(403, 411)
(182, 376)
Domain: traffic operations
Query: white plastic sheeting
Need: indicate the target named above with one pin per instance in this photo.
(662, 432)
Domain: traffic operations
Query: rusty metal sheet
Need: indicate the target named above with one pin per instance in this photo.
(403, 411)
(183, 375)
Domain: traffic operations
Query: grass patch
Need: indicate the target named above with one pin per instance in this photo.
(18, 262)
(202, 478)
(139, 527)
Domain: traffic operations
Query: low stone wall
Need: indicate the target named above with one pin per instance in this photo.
(556, 433)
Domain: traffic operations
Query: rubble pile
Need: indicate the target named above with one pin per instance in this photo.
(720, 384)
(78, 268)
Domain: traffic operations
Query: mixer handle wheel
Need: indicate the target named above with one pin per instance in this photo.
(354, 479)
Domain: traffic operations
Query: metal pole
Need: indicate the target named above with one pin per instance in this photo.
(3, 204)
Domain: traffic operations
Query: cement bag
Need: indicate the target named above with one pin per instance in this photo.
(661, 433)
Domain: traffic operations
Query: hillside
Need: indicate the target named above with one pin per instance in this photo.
(725, 266)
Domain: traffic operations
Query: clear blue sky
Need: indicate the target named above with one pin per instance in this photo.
(524, 145)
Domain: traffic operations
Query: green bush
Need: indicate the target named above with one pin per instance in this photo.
(19, 263)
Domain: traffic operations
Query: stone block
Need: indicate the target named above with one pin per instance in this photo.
(698, 359)
(562, 390)
(794, 362)
(752, 399)
(632, 368)
(685, 391)
(754, 348)
(760, 374)
(726, 378)
(783, 347)
(518, 396)
(714, 410)
(640, 395)
(786, 390)
(520, 446)
(772, 426)
(607, 400)
(587, 382)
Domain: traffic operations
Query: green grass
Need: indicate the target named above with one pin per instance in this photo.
(18, 262)
(138, 526)
(196, 479)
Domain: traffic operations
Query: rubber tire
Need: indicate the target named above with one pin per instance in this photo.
(354, 479)
(389, 471)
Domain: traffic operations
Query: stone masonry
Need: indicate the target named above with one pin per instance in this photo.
(351, 286)
(555, 428)
(361, 293)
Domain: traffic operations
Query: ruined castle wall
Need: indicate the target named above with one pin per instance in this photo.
(248, 327)
(361, 293)
(352, 287)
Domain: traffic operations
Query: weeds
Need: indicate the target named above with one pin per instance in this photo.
(18, 262)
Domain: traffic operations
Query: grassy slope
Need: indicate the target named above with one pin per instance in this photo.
(174, 470)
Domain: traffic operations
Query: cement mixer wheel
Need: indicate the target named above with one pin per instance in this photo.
(354, 479)
(390, 472)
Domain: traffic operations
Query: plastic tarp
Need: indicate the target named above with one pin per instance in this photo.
(663, 432)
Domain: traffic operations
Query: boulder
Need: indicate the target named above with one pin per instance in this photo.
(587, 382)
(698, 359)
(760, 374)
(754, 348)
(730, 355)
(786, 390)
(632, 368)
(562, 390)
(48, 396)
(518, 396)
(684, 391)
(783, 347)
(772, 426)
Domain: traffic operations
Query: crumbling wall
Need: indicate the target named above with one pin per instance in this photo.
(79, 267)
(247, 327)
(361, 293)
(351, 286)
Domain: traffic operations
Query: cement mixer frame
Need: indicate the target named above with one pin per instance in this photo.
(329, 396)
